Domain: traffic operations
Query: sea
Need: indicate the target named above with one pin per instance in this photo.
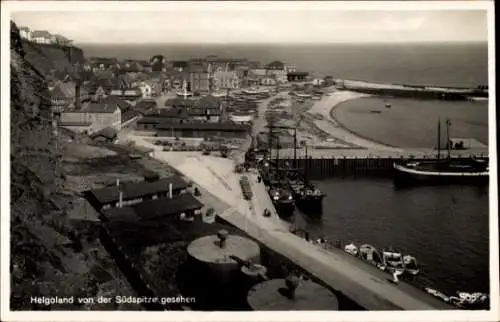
(447, 227)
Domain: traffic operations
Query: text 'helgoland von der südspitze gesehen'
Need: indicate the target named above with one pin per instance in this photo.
(44, 300)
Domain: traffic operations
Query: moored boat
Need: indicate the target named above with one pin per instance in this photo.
(351, 249)
(442, 170)
(392, 258)
(370, 254)
(410, 265)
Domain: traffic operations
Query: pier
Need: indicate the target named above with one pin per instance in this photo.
(412, 91)
(321, 163)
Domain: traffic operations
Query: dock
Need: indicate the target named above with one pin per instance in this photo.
(323, 163)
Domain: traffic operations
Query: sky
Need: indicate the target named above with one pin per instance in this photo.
(205, 25)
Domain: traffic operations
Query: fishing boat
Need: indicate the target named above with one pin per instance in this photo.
(351, 249)
(392, 258)
(282, 200)
(370, 254)
(308, 197)
(443, 170)
(410, 265)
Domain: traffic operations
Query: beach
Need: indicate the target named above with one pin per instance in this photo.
(323, 109)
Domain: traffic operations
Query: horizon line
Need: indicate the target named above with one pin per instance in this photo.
(290, 43)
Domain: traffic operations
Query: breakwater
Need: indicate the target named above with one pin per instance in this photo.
(413, 91)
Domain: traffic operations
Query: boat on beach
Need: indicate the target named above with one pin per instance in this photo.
(442, 170)
(370, 254)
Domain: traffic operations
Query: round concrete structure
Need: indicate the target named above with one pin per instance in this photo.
(217, 276)
(291, 295)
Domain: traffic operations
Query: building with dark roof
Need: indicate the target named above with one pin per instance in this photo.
(134, 193)
(297, 76)
(98, 114)
(156, 209)
(201, 130)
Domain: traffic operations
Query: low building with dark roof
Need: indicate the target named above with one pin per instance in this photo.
(134, 193)
(107, 134)
(297, 76)
(156, 209)
(202, 130)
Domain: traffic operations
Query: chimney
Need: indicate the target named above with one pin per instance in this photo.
(77, 95)
(120, 201)
(170, 193)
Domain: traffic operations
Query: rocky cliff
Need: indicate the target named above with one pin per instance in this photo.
(46, 256)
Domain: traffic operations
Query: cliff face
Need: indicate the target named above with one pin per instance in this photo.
(47, 58)
(40, 230)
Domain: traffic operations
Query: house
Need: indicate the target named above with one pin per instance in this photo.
(25, 33)
(278, 71)
(145, 108)
(157, 63)
(180, 65)
(92, 118)
(63, 94)
(268, 81)
(200, 82)
(146, 89)
(179, 103)
(297, 76)
(135, 193)
(226, 80)
(41, 37)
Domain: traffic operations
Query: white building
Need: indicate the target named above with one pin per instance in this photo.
(41, 37)
(146, 89)
(226, 80)
(25, 33)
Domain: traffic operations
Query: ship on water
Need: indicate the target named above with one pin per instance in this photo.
(308, 197)
(281, 196)
(443, 170)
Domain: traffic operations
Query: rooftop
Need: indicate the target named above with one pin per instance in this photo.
(137, 190)
(227, 126)
(153, 209)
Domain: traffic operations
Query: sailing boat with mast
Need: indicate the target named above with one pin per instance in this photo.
(443, 170)
(308, 197)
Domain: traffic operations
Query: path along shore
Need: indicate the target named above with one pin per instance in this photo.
(326, 106)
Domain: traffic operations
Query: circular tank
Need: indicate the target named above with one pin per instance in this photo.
(251, 275)
(213, 269)
(291, 294)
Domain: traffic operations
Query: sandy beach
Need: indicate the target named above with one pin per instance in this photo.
(324, 108)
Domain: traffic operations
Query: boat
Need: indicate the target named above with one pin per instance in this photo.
(442, 170)
(351, 249)
(282, 200)
(392, 258)
(388, 105)
(370, 254)
(308, 197)
(410, 265)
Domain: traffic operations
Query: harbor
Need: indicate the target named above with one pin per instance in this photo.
(228, 184)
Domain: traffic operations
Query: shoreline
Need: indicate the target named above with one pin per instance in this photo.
(326, 107)
(346, 128)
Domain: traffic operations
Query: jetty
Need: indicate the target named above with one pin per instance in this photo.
(412, 91)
